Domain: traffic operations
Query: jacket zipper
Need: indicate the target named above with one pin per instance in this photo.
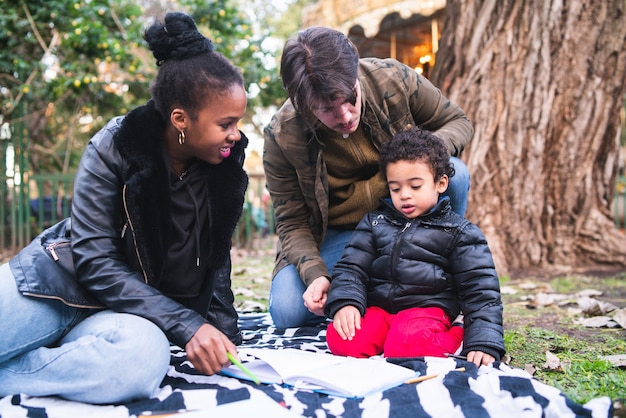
(65, 302)
(132, 231)
(51, 248)
(395, 253)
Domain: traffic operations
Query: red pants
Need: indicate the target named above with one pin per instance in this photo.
(409, 333)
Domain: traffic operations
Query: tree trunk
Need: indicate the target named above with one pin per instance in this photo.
(543, 82)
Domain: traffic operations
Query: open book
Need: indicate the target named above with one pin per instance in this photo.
(321, 372)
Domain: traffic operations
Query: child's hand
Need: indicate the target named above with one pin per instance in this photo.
(479, 358)
(346, 321)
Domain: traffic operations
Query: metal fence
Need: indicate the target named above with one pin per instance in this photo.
(35, 202)
(41, 200)
(256, 225)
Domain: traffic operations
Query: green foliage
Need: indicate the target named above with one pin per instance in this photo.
(288, 23)
(52, 47)
(62, 62)
(233, 34)
(68, 66)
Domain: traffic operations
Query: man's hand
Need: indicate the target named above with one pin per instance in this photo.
(347, 321)
(479, 358)
(207, 350)
(315, 295)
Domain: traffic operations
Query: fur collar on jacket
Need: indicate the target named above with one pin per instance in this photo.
(140, 142)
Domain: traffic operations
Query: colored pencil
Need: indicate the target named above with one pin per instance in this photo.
(431, 376)
(243, 368)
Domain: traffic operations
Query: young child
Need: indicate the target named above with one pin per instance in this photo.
(413, 265)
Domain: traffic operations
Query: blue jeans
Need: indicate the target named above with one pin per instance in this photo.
(285, 302)
(100, 357)
(458, 187)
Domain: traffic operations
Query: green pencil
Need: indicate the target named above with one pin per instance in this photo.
(242, 367)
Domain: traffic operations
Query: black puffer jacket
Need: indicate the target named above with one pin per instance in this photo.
(436, 260)
(120, 229)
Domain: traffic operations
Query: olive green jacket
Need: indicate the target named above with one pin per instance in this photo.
(394, 98)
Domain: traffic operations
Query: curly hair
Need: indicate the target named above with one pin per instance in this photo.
(191, 72)
(416, 144)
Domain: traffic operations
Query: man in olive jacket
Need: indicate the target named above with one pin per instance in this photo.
(321, 157)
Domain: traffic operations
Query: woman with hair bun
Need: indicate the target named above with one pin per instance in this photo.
(90, 307)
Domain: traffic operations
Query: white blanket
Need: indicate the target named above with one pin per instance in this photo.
(498, 391)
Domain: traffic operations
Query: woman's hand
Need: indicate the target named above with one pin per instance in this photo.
(479, 358)
(315, 295)
(347, 321)
(206, 350)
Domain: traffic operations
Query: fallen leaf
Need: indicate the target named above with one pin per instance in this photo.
(243, 292)
(507, 290)
(617, 360)
(574, 311)
(545, 288)
(542, 300)
(594, 307)
(598, 322)
(530, 369)
(620, 317)
(589, 293)
(528, 286)
(251, 306)
(552, 362)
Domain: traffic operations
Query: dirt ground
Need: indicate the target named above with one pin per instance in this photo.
(536, 302)
(537, 299)
(532, 300)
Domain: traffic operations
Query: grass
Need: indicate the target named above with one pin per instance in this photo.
(584, 374)
(251, 277)
(608, 284)
(529, 333)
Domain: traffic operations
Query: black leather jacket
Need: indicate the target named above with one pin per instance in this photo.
(438, 259)
(120, 233)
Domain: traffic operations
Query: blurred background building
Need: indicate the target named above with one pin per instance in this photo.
(405, 30)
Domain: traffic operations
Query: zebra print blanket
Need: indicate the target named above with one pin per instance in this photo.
(499, 391)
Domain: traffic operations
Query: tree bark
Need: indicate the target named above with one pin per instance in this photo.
(543, 82)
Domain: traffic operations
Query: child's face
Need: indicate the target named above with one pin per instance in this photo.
(413, 188)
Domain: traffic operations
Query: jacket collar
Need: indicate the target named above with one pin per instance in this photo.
(442, 207)
(140, 142)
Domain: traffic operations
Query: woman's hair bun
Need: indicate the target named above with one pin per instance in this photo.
(177, 38)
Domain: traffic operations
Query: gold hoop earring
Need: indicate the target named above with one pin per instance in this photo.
(181, 137)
